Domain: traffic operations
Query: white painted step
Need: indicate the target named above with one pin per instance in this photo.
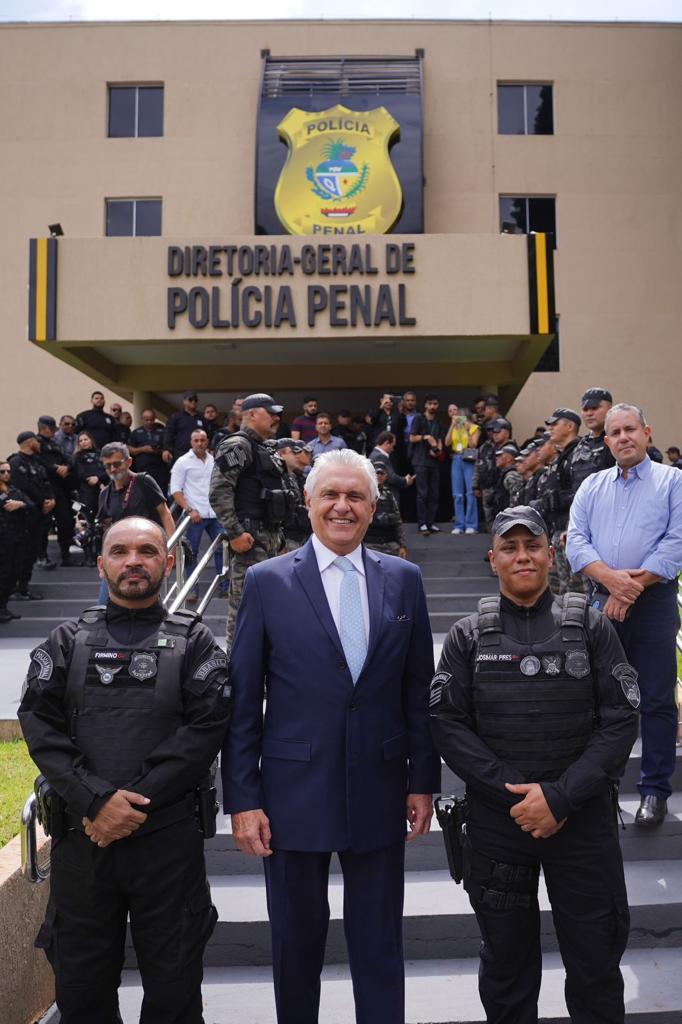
(437, 991)
(432, 893)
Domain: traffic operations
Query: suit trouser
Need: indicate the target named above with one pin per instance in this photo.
(583, 869)
(428, 485)
(648, 639)
(160, 879)
(298, 908)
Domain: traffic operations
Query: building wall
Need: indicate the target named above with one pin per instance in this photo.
(613, 163)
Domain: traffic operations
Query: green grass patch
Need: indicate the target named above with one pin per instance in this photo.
(17, 773)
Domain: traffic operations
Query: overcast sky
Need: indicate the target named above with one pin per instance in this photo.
(171, 10)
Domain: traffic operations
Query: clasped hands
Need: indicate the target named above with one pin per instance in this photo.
(532, 814)
(117, 819)
(625, 586)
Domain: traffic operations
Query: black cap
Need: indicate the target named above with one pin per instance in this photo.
(296, 446)
(24, 436)
(500, 424)
(47, 421)
(261, 401)
(492, 401)
(563, 414)
(344, 412)
(545, 438)
(521, 515)
(190, 394)
(593, 396)
(510, 448)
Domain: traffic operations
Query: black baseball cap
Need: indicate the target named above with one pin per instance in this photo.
(261, 401)
(593, 396)
(510, 448)
(296, 446)
(190, 394)
(521, 515)
(25, 435)
(500, 424)
(492, 401)
(47, 421)
(563, 414)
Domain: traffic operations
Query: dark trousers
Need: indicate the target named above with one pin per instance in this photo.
(648, 639)
(34, 527)
(583, 871)
(427, 484)
(296, 886)
(12, 553)
(160, 880)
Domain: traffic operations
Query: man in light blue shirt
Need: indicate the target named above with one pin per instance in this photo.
(625, 533)
(325, 440)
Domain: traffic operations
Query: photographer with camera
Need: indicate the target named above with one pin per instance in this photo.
(461, 441)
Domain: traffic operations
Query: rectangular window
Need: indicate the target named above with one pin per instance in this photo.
(525, 110)
(521, 214)
(133, 217)
(135, 111)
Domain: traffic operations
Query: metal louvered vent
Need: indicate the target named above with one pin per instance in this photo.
(342, 76)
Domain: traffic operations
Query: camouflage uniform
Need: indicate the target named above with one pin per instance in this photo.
(554, 493)
(297, 526)
(233, 466)
(484, 480)
(386, 532)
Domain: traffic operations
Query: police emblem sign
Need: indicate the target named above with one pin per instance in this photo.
(338, 177)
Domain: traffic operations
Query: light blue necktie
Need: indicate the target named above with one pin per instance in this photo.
(351, 619)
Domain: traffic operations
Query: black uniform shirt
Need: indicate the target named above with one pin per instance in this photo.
(29, 474)
(176, 765)
(179, 428)
(99, 425)
(453, 724)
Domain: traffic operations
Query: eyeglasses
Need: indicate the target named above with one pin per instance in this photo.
(113, 466)
(4, 471)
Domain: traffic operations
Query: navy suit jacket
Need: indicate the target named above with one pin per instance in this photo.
(330, 763)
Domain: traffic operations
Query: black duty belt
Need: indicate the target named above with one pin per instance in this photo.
(155, 819)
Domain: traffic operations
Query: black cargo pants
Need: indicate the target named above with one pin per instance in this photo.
(160, 880)
(583, 870)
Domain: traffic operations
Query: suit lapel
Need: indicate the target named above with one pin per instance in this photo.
(375, 577)
(305, 565)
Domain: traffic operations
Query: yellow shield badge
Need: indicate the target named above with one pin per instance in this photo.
(338, 178)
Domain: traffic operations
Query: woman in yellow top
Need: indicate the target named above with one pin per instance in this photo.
(462, 441)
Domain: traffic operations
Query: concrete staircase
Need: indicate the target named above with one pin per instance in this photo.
(441, 937)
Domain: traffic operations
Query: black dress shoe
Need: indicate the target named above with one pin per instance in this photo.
(5, 616)
(651, 811)
(27, 595)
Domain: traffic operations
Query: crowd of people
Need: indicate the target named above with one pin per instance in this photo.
(460, 469)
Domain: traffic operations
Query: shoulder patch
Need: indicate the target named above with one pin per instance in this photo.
(212, 665)
(627, 677)
(232, 455)
(44, 662)
(436, 690)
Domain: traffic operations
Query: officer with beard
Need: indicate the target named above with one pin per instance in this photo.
(124, 711)
(533, 706)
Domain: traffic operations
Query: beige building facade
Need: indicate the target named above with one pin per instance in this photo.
(209, 304)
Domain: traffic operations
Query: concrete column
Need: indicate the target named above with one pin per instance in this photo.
(141, 400)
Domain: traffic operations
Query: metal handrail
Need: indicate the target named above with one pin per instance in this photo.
(30, 865)
(193, 579)
(173, 546)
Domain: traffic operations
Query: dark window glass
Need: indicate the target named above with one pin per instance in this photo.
(513, 216)
(120, 217)
(521, 214)
(121, 112)
(510, 114)
(539, 112)
(148, 217)
(525, 110)
(150, 111)
(550, 361)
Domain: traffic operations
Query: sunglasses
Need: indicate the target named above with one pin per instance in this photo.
(113, 466)
(4, 470)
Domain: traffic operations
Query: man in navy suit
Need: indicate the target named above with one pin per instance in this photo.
(336, 638)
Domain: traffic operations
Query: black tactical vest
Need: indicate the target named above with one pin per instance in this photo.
(384, 525)
(534, 704)
(260, 486)
(589, 456)
(123, 701)
(297, 524)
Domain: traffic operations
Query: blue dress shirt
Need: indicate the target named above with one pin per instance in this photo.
(628, 523)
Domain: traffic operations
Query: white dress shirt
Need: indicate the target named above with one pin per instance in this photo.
(331, 577)
(192, 476)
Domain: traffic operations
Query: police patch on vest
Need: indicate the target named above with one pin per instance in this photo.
(577, 664)
(627, 677)
(207, 667)
(436, 689)
(44, 662)
(107, 672)
(234, 458)
(530, 665)
(142, 666)
(551, 663)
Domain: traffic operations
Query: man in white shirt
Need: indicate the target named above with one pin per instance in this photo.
(338, 635)
(189, 485)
